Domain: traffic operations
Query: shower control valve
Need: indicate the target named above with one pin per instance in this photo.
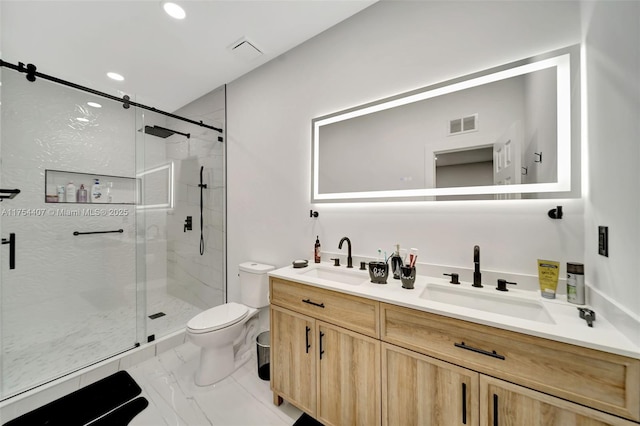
(188, 224)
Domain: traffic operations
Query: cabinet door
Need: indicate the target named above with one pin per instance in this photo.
(420, 390)
(293, 358)
(348, 377)
(506, 404)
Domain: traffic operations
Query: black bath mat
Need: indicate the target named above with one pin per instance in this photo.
(84, 405)
(124, 414)
(307, 420)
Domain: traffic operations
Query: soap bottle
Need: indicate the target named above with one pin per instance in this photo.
(70, 194)
(396, 262)
(82, 194)
(575, 283)
(316, 256)
(96, 192)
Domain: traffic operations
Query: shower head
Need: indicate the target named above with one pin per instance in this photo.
(162, 132)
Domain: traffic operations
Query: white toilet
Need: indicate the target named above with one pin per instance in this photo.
(217, 330)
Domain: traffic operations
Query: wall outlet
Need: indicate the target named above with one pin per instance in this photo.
(603, 240)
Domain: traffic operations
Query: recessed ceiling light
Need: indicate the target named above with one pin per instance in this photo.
(115, 76)
(173, 10)
(84, 120)
(94, 104)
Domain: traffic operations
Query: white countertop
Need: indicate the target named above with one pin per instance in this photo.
(567, 325)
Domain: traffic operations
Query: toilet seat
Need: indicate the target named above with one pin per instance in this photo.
(218, 317)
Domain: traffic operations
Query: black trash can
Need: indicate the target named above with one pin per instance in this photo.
(263, 346)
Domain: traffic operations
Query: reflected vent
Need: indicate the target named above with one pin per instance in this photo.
(463, 125)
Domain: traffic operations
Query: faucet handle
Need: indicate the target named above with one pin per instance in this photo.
(502, 285)
(454, 278)
(336, 261)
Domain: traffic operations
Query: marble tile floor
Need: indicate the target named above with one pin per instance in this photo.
(242, 399)
(42, 354)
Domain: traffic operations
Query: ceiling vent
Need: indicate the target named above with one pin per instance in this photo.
(463, 125)
(245, 50)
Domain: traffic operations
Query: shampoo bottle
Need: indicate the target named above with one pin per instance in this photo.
(316, 256)
(70, 194)
(82, 194)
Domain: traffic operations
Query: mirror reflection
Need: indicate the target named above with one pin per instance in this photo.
(503, 133)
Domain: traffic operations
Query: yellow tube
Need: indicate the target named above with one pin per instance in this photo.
(548, 272)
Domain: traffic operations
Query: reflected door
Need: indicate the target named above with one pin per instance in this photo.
(70, 298)
(507, 161)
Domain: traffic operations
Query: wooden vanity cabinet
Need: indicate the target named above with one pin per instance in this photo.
(420, 390)
(318, 362)
(596, 379)
(504, 403)
(348, 360)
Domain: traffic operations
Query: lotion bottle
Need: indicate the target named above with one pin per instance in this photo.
(70, 195)
(316, 256)
(96, 192)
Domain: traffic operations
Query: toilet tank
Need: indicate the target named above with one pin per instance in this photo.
(254, 284)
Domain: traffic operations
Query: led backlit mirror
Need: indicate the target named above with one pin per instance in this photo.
(501, 133)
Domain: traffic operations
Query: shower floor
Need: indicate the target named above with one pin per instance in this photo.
(31, 357)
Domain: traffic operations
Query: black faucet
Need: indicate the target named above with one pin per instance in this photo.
(477, 276)
(349, 258)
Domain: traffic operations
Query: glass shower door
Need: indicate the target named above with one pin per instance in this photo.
(70, 299)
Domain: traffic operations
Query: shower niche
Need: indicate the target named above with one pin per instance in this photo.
(115, 189)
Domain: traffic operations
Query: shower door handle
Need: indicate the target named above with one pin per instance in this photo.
(12, 249)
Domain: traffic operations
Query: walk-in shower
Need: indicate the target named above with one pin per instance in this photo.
(94, 279)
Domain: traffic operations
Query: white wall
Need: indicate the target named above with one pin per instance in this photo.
(389, 48)
(612, 32)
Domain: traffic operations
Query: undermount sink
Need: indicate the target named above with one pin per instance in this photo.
(482, 300)
(338, 275)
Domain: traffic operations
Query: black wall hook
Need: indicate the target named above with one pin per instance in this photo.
(556, 213)
(313, 213)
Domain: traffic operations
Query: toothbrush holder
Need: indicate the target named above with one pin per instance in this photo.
(408, 276)
(378, 272)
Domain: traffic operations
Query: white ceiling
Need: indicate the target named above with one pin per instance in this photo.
(166, 63)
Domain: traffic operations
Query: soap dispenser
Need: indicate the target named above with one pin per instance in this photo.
(316, 255)
(396, 263)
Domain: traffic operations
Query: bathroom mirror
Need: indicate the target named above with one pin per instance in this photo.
(501, 133)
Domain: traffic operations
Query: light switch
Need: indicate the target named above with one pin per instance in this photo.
(603, 240)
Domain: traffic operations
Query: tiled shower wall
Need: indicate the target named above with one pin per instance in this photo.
(195, 278)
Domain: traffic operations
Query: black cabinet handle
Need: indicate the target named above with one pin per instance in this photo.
(464, 403)
(321, 350)
(321, 305)
(493, 354)
(12, 249)
(495, 410)
(308, 329)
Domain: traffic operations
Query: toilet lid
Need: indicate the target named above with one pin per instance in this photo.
(219, 317)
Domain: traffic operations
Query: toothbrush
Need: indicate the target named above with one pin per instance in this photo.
(413, 255)
(379, 253)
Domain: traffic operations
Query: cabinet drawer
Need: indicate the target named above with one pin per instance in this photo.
(351, 312)
(597, 379)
